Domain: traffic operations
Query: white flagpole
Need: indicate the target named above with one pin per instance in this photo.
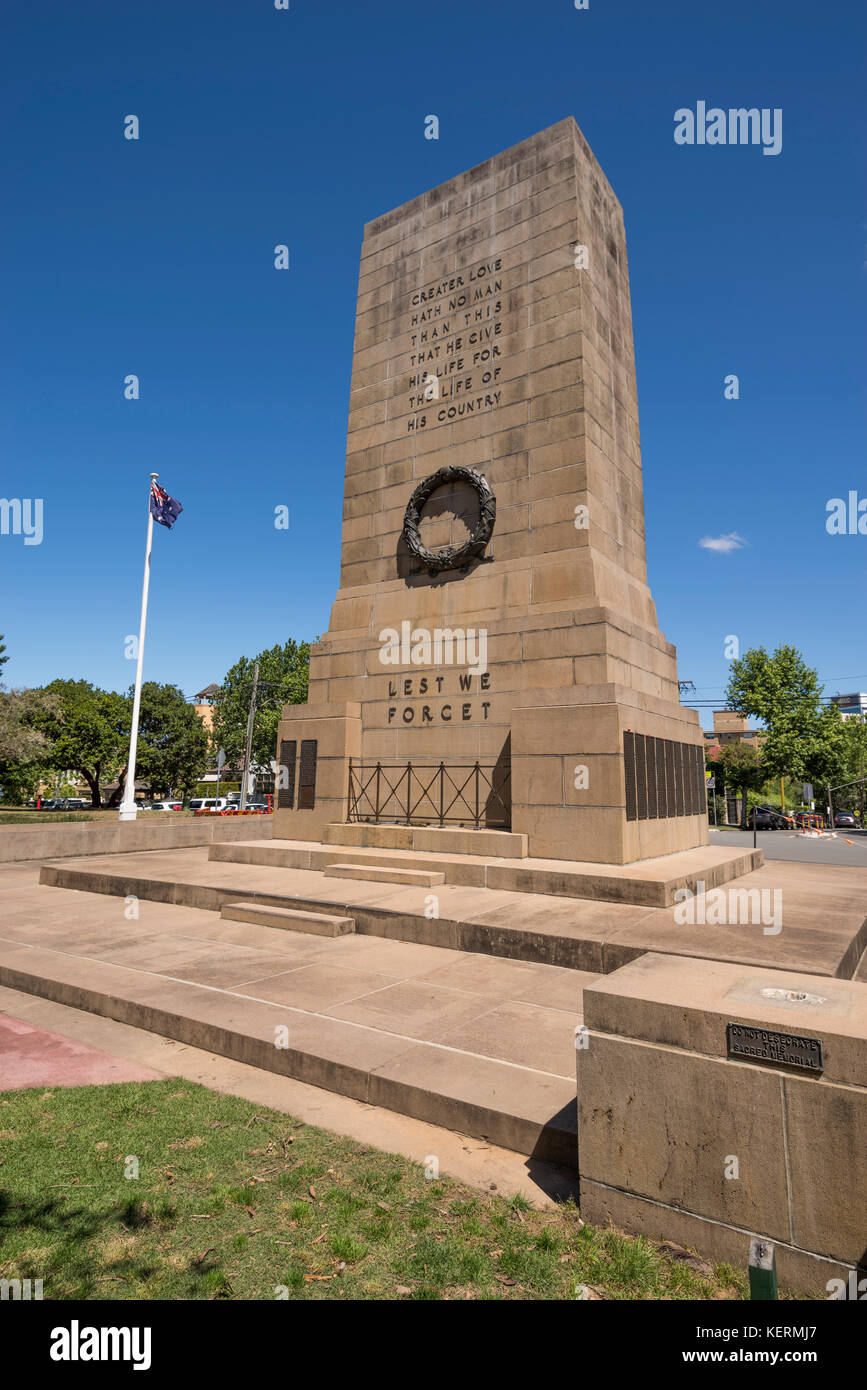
(127, 807)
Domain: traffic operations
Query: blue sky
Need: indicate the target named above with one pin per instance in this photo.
(261, 127)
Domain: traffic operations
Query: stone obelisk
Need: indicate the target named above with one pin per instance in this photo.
(493, 605)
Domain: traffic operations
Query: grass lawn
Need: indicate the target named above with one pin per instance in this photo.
(233, 1201)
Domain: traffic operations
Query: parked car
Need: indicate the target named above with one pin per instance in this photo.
(72, 803)
(167, 806)
(209, 803)
(846, 819)
(49, 804)
(763, 818)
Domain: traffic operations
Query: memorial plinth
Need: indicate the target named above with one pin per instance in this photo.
(493, 657)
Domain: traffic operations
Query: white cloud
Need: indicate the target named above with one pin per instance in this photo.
(723, 543)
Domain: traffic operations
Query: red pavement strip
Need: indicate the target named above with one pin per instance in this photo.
(34, 1057)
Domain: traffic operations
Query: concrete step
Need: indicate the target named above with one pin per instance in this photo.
(530, 1111)
(427, 839)
(468, 871)
(649, 883)
(289, 919)
(374, 873)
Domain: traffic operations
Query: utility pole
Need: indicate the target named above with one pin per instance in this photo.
(249, 748)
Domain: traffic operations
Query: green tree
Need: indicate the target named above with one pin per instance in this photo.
(854, 767)
(283, 675)
(88, 732)
(839, 759)
(3, 657)
(743, 769)
(784, 693)
(24, 748)
(172, 748)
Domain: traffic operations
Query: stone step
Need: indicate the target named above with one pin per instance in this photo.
(466, 870)
(649, 883)
(289, 919)
(597, 936)
(375, 873)
(427, 839)
(517, 1107)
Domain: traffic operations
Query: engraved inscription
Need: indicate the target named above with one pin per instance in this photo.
(766, 1045)
(455, 360)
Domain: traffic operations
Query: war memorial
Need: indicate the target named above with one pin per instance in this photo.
(489, 868)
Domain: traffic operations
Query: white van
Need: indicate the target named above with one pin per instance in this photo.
(209, 803)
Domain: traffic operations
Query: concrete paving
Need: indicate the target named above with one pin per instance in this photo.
(32, 1056)
(650, 883)
(822, 926)
(475, 1043)
(465, 1020)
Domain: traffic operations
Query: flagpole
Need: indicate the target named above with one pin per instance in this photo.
(128, 807)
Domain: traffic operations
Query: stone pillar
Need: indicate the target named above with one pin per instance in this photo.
(314, 746)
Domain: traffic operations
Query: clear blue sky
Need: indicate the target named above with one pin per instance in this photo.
(261, 126)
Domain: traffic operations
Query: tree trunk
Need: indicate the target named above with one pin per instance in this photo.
(92, 781)
(117, 795)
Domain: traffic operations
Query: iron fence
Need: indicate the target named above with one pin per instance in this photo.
(477, 794)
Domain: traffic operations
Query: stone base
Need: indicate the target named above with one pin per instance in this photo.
(676, 1138)
(600, 774)
(572, 792)
(331, 733)
(799, 1271)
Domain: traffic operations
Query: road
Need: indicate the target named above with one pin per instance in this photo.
(841, 847)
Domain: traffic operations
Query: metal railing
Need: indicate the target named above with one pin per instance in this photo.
(477, 794)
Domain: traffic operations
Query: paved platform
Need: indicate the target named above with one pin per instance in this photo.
(473, 1043)
(650, 883)
(465, 1020)
(823, 912)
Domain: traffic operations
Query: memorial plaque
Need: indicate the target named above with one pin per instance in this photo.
(286, 792)
(307, 775)
(767, 1045)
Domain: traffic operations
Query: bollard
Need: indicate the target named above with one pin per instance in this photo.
(763, 1270)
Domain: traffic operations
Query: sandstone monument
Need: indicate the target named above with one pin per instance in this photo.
(493, 658)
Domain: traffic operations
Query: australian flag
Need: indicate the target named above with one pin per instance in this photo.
(164, 509)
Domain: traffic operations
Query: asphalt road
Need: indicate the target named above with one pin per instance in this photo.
(837, 847)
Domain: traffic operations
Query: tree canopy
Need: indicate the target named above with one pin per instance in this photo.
(785, 694)
(283, 672)
(172, 750)
(88, 732)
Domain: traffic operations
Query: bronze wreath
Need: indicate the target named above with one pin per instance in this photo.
(451, 557)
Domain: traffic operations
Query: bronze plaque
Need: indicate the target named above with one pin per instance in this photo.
(307, 774)
(782, 1049)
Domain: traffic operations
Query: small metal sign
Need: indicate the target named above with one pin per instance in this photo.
(781, 1049)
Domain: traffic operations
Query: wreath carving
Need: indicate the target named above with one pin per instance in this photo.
(451, 557)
